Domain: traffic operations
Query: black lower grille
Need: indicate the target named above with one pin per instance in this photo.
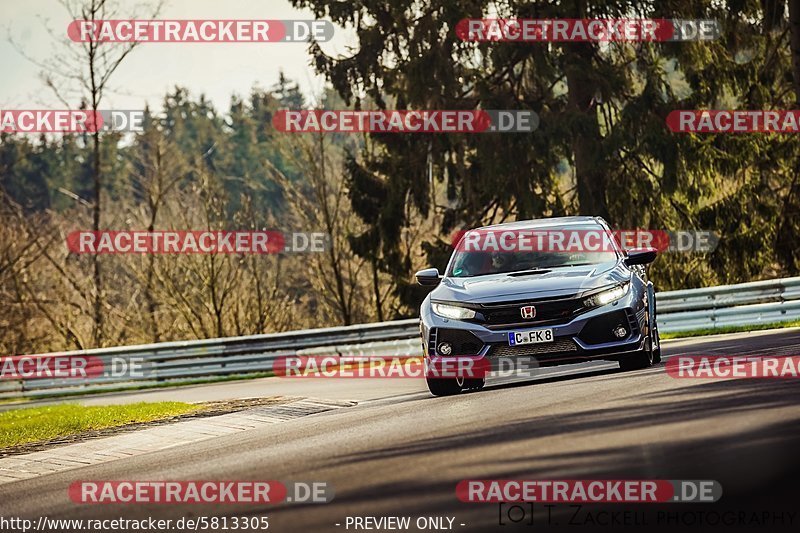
(559, 346)
(600, 329)
(463, 342)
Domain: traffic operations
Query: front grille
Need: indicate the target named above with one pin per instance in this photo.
(565, 346)
(547, 312)
(463, 342)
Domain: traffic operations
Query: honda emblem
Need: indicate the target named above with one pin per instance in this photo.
(528, 311)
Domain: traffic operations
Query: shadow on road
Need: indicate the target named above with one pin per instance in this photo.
(757, 468)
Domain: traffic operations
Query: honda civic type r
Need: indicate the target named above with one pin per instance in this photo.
(551, 306)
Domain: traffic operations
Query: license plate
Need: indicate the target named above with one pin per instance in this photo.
(535, 336)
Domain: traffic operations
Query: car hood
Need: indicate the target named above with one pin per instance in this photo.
(559, 282)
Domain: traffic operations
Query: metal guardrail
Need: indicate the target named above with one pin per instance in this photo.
(182, 361)
(172, 362)
(758, 302)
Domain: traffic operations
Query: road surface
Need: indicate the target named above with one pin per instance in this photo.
(401, 452)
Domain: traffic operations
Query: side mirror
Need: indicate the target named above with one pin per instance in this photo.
(429, 277)
(641, 256)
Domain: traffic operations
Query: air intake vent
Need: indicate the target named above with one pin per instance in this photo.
(462, 342)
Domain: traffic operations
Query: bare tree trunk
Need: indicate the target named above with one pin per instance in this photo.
(333, 252)
(97, 276)
(376, 289)
(152, 305)
(102, 60)
(154, 200)
(587, 143)
(586, 146)
(96, 210)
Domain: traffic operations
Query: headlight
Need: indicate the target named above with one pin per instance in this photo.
(452, 311)
(606, 297)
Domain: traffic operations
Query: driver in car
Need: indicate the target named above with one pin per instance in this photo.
(473, 264)
(503, 262)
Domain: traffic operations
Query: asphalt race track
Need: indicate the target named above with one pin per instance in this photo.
(401, 452)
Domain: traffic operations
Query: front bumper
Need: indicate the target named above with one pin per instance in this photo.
(583, 338)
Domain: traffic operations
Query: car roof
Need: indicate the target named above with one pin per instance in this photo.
(561, 222)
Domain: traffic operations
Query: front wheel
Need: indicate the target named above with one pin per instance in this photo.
(636, 361)
(639, 360)
(657, 349)
(445, 386)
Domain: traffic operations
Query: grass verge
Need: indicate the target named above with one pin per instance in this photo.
(729, 329)
(143, 386)
(36, 424)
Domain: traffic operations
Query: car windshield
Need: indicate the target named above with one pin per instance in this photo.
(488, 259)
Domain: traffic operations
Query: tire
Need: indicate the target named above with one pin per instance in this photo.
(657, 351)
(639, 360)
(475, 384)
(445, 387)
(655, 340)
